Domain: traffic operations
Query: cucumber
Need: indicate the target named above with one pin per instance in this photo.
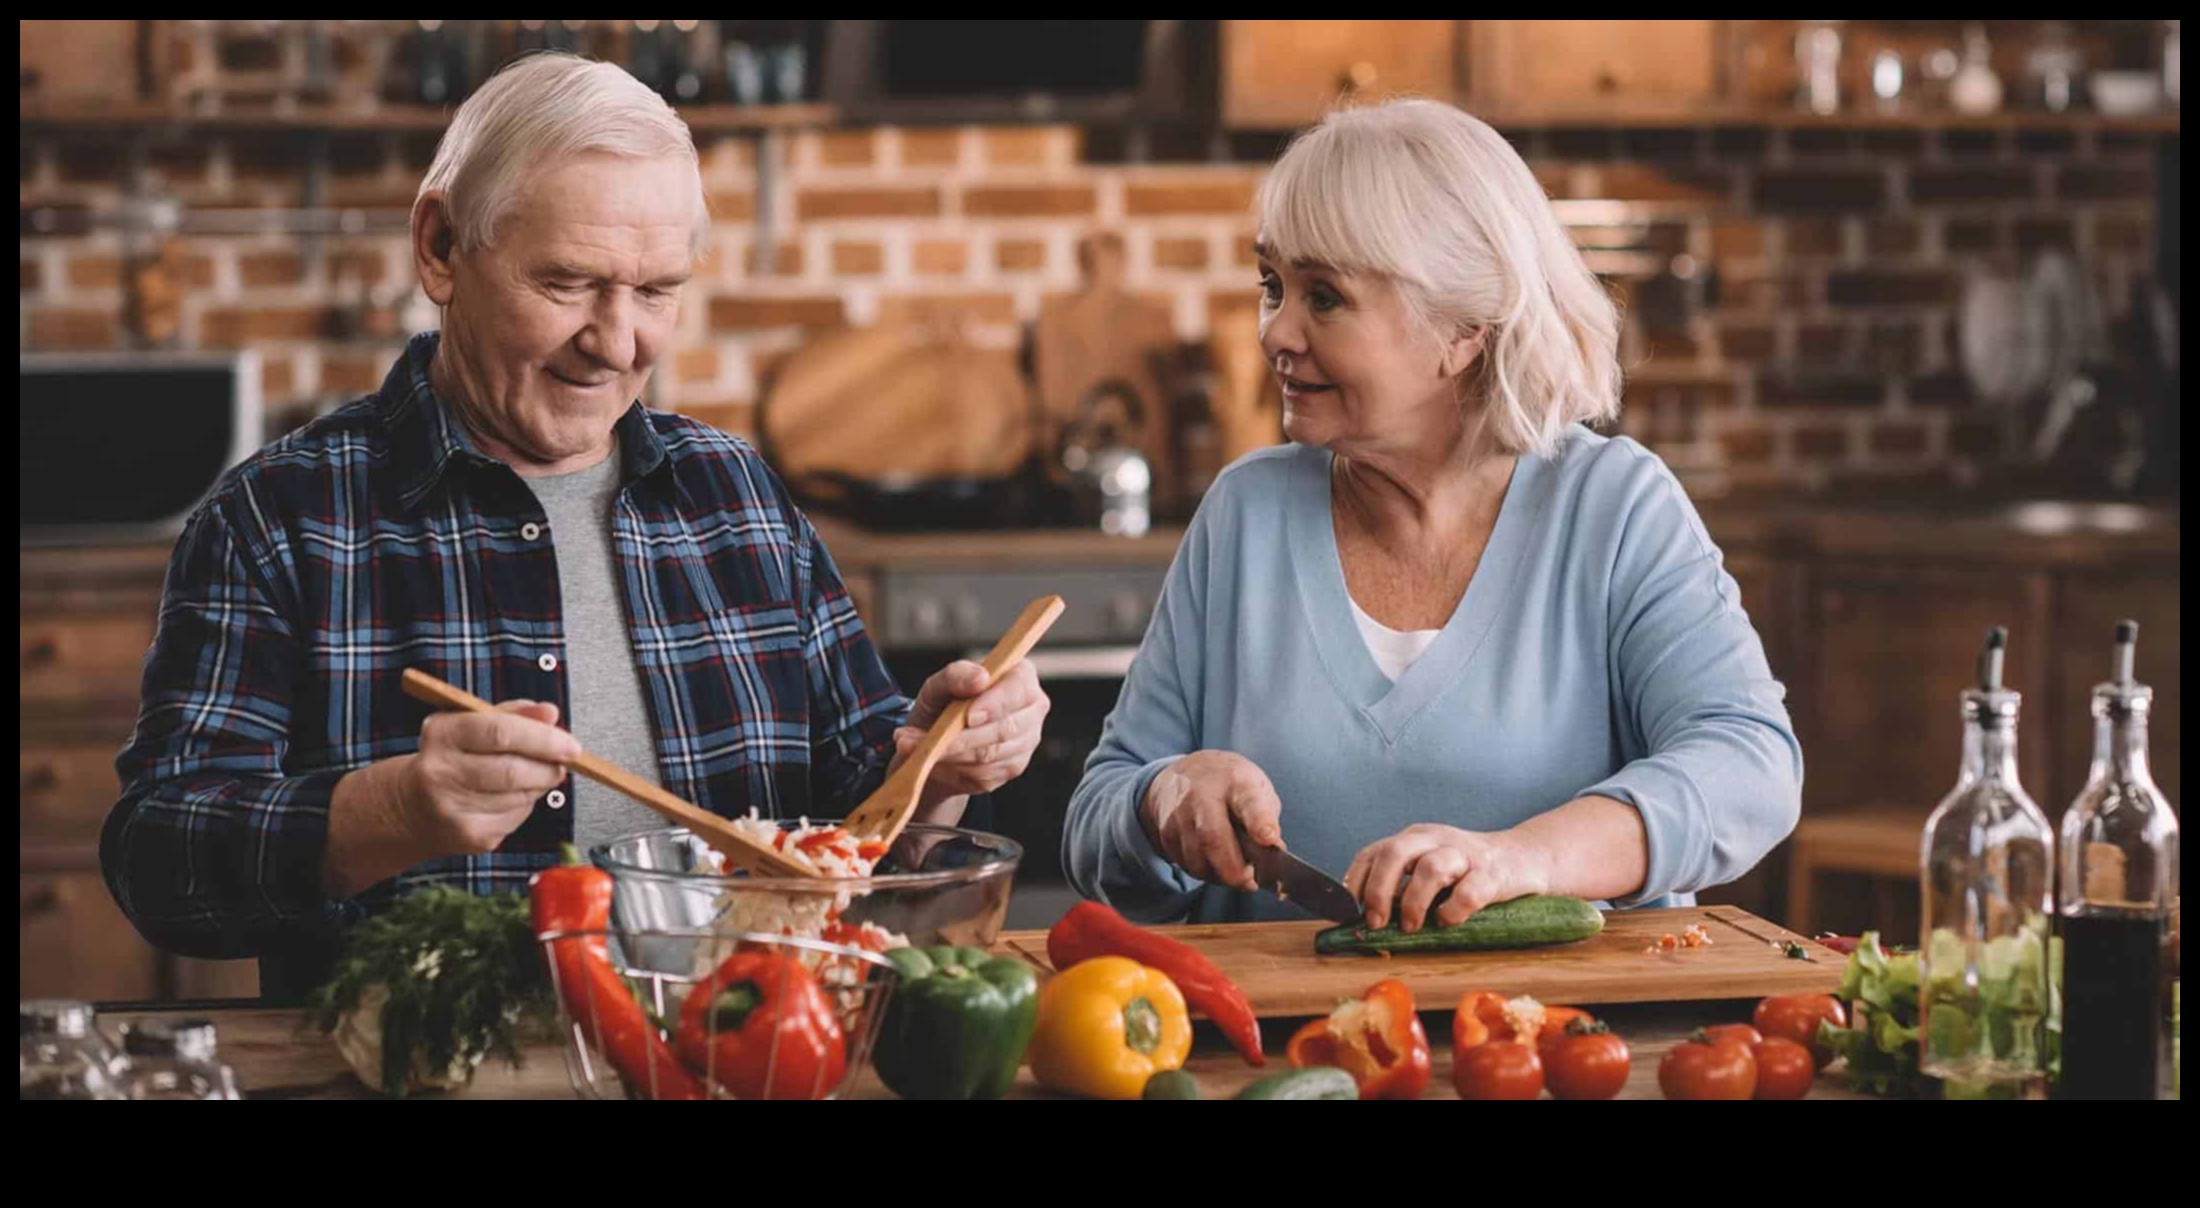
(1171, 1084)
(1520, 923)
(1314, 1082)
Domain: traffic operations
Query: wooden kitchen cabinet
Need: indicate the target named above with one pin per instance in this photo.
(2087, 607)
(74, 942)
(1892, 646)
(1582, 64)
(85, 620)
(1284, 74)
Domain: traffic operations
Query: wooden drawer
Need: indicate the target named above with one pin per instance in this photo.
(1279, 74)
(84, 661)
(1586, 64)
(76, 944)
(66, 789)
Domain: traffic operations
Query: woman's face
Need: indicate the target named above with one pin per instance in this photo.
(1359, 374)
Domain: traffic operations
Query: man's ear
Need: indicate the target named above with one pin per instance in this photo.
(433, 243)
(1463, 350)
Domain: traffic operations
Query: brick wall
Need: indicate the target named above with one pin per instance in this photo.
(1830, 352)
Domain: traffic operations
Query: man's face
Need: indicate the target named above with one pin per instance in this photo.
(553, 331)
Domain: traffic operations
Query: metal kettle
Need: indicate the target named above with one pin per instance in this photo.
(1110, 480)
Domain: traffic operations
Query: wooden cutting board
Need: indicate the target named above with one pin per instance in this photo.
(897, 399)
(1274, 963)
(1104, 333)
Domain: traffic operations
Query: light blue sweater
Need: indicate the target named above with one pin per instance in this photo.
(1600, 649)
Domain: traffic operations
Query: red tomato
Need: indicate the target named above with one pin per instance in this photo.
(1784, 1069)
(1703, 1068)
(1584, 1060)
(1498, 1069)
(1740, 1033)
(1796, 1017)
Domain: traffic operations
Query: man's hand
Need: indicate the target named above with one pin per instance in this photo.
(998, 737)
(474, 780)
(478, 775)
(1193, 808)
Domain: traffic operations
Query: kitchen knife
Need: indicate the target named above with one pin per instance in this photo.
(1295, 881)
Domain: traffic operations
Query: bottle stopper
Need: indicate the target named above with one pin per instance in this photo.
(1989, 659)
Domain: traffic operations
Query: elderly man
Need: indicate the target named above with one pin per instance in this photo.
(505, 516)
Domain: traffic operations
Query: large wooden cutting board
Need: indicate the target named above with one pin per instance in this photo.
(1104, 332)
(1274, 963)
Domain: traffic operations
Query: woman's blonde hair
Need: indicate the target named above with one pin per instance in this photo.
(1435, 200)
(540, 110)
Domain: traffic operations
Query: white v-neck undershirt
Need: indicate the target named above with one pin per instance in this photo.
(1394, 650)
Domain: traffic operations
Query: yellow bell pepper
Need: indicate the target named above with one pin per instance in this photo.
(1106, 1025)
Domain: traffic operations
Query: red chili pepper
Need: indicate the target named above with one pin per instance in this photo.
(761, 1027)
(1378, 1039)
(577, 897)
(1091, 929)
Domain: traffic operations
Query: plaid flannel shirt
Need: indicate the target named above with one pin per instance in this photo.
(377, 538)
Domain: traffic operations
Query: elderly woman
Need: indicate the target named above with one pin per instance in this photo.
(1448, 639)
(506, 515)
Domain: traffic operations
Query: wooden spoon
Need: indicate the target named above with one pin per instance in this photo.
(739, 850)
(885, 812)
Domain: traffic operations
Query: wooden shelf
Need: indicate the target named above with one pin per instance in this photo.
(720, 119)
(1646, 114)
(714, 119)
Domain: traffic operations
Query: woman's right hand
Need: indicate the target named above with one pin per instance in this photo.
(1194, 808)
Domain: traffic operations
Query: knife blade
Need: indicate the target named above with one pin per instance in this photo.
(1295, 881)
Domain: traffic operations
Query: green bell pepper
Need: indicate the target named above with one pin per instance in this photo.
(957, 1025)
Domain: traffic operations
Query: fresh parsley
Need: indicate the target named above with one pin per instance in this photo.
(463, 974)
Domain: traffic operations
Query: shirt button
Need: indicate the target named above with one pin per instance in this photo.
(556, 799)
(530, 531)
(548, 662)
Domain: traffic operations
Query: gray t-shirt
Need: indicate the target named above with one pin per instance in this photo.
(609, 712)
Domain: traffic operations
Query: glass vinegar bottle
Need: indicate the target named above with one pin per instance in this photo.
(1987, 862)
(2118, 879)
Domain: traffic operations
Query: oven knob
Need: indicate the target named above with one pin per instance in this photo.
(969, 618)
(928, 619)
(1126, 614)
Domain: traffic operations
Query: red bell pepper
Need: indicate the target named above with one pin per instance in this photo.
(1377, 1038)
(575, 897)
(1091, 929)
(761, 1027)
(1482, 1017)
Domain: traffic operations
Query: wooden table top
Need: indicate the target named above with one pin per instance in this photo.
(274, 1060)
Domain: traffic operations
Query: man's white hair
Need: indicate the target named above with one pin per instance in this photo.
(539, 111)
(1438, 202)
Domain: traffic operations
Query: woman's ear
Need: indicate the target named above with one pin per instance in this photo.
(1461, 353)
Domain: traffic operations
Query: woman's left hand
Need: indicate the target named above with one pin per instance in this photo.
(998, 738)
(1411, 867)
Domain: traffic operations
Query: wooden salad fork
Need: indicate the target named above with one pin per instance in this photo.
(740, 851)
(885, 812)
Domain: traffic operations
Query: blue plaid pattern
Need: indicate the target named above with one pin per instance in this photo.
(377, 538)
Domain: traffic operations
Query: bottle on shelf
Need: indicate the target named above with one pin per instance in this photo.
(1975, 90)
(2118, 882)
(1987, 862)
